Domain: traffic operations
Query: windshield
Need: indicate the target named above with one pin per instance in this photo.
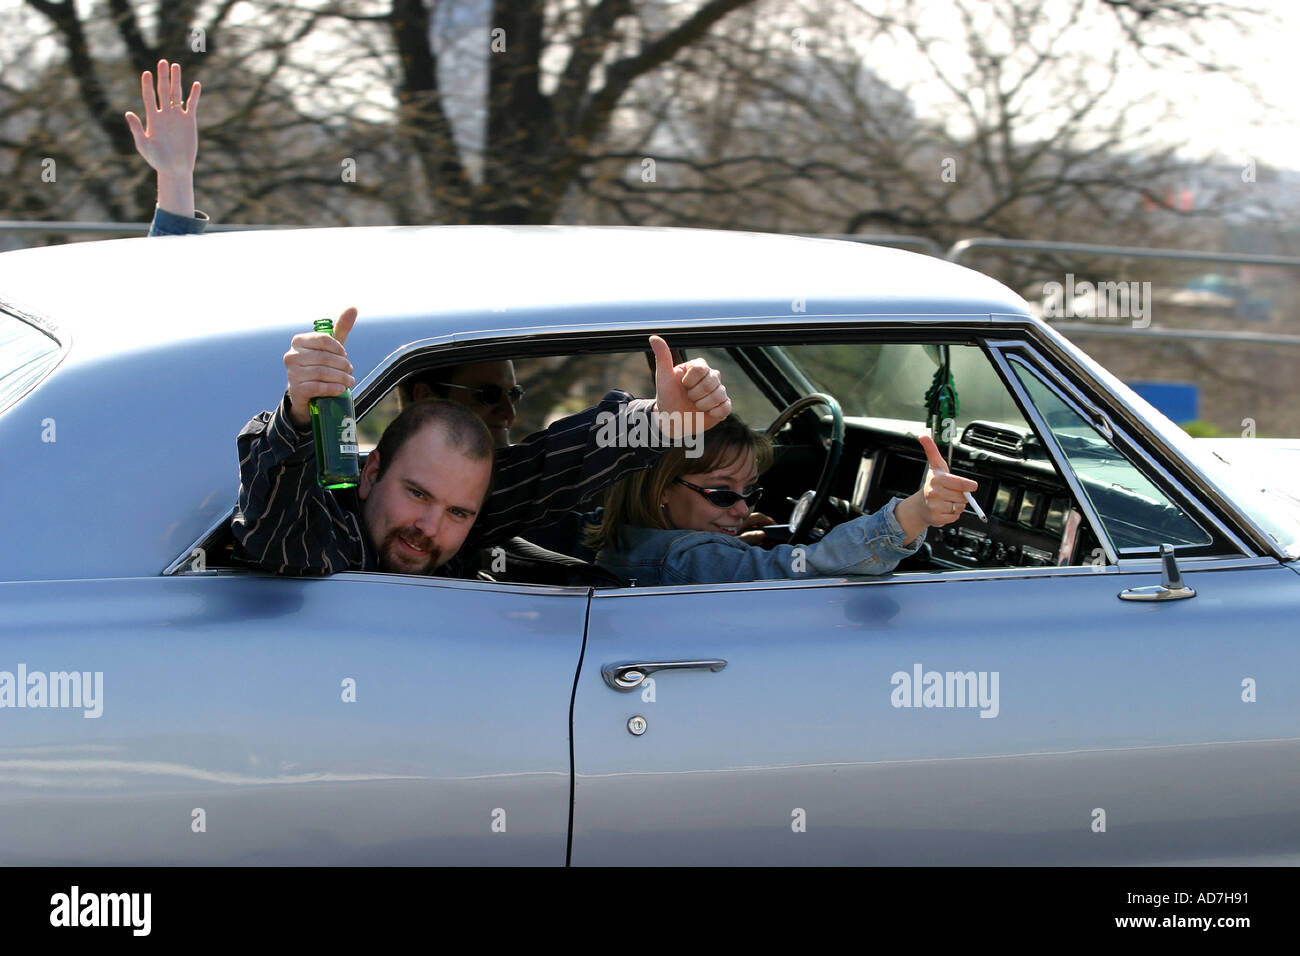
(891, 381)
(1135, 513)
(1276, 513)
(26, 356)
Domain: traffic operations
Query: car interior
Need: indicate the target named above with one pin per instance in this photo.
(844, 417)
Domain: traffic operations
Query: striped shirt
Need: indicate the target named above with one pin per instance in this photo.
(286, 523)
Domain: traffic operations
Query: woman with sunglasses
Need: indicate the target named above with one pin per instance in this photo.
(686, 520)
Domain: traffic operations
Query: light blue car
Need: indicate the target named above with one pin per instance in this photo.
(1107, 670)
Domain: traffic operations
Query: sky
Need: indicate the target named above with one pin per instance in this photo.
(1215, 110)
(1210, 114)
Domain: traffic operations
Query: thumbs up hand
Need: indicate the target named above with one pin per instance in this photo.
(941, 499)
(686, 389)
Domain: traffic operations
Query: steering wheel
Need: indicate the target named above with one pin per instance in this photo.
(809, 506)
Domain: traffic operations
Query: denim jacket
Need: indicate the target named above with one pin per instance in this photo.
(169, 224)
(872, 544)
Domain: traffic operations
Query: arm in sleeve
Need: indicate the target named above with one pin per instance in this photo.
(872, 544)
(285, 522)
(169, 224)
(539, 480)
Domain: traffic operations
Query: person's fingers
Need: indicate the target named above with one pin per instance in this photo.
(326, 345)
(343, 326)
(940, 491)
(328, 368)
(714, 399)
(692, 373)
(137, 131)
(945, 507)
(164, 85)
(309, 341)
(303, 392)
(304, 388)
(193, 107)
(932, 455)
(705, 384)
(956, 483)
(718, 413)
(938, 512)
(303, 371)
(147, 95)
(176, 89)
(663, 356)
(316, 373)
(317, 358)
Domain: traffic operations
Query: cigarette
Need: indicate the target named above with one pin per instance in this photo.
(978, 511)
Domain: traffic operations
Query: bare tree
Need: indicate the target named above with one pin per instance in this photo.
(1029, 128)
(273, 135)
(732, 113)
(540, 121)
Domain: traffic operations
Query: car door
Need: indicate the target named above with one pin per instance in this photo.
(244, 718)
(1022, 715)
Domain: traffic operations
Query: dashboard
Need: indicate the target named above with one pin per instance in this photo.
(1033, 520)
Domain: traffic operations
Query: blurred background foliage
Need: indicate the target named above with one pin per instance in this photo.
(1035, 119)
(739, 114)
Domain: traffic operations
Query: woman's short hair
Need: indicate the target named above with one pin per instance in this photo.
(635, 501)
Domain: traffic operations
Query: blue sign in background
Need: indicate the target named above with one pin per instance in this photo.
(1179, 401)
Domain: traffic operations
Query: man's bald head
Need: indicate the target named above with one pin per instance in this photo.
(464, 430)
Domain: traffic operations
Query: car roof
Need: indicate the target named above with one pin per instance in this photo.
(173, 344)
(131, 294)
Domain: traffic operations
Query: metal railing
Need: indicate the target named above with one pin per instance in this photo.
(957, 251)
(900, 242)
(110, 228)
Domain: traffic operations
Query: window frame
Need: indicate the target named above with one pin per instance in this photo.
(997, 336)
(1223, 541)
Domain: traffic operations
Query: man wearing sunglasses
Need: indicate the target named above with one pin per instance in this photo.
(488, 389)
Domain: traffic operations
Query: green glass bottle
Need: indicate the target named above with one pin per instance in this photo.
(334, 428)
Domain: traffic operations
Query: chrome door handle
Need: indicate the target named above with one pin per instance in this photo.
(628, 676)
(1171, 586)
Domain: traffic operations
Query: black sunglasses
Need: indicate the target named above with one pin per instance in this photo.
(723, 497)
(490, 394)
